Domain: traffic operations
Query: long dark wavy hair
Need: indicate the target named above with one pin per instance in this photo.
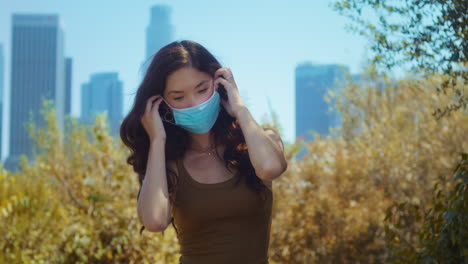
(226, 129)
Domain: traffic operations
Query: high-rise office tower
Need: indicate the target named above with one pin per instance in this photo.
(37, 73)
(312, 111)
(68, 84)
(2, 100)
(159, 33)
(103, 93)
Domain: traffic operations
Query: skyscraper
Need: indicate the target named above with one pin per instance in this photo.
(159, 32)
(37, 73)
(103, 93)
(68, 84)
(2, 80)
(312, 112)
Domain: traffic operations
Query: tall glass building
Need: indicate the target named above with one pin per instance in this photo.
(37, 73)
(2, 100)
(312, 111)
(68, 84)
(159, 33)
(103, 93)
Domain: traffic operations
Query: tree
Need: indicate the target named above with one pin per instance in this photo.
(443, 236)
(428, 36)
(330, 206)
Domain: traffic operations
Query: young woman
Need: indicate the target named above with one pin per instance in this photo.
(204, 164)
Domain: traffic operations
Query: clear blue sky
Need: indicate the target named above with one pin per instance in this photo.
(262, 41)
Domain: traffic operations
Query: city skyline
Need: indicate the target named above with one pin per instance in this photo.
(262, 48)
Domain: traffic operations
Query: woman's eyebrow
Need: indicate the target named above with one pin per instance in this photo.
(198, 85)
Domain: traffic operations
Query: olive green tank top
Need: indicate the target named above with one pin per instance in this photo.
(224, 222)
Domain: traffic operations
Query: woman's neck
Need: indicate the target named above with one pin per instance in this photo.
(201, 141)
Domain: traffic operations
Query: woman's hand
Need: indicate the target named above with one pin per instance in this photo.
(234, 103)
(151, 120)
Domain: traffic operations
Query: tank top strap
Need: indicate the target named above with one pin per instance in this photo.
(180, 171)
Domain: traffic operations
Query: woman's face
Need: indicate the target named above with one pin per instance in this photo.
(188, 87)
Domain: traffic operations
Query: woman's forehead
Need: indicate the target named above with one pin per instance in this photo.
(186, 79)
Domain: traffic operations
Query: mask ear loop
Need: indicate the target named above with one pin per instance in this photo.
(165, 119)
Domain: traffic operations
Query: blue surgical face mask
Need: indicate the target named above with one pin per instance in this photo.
(198, 119)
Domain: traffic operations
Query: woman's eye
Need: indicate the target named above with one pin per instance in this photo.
(201, 91)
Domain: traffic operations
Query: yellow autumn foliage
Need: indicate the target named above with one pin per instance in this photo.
(76, 201)
(330, 206)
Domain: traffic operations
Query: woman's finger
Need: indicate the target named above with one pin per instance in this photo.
(156, 103)
(224, 72)
(149, 104)
(219, 72)
(222, 81)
